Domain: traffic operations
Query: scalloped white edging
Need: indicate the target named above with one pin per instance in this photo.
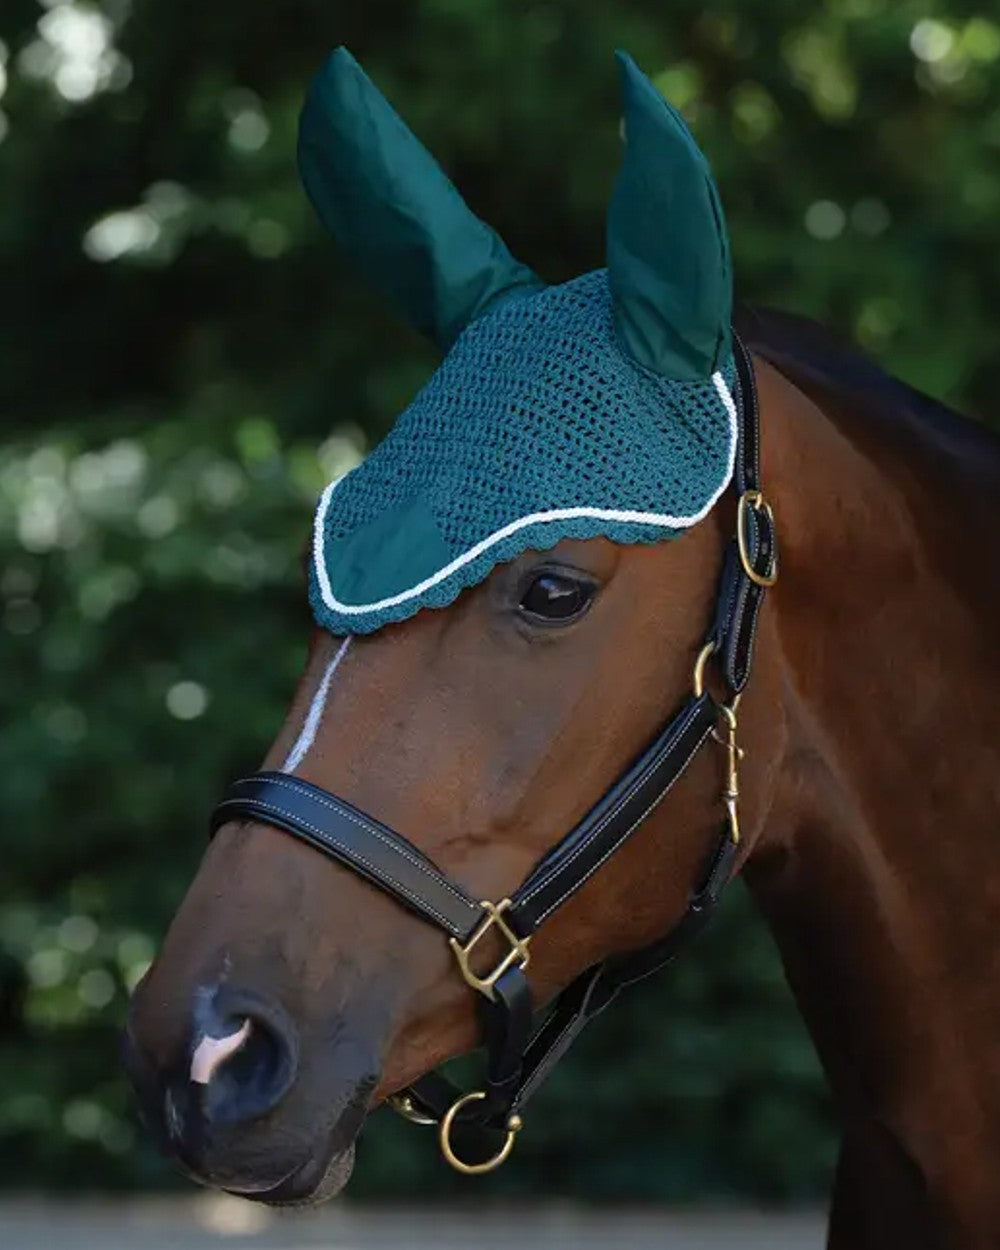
(535, 518)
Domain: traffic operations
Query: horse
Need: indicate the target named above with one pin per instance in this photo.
(292, 996)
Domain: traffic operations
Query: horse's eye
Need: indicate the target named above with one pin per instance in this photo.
(556, 598)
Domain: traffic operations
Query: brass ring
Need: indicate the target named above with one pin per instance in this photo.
(444, 1137)
(754, 499)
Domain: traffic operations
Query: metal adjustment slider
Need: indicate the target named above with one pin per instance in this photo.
(734, 752)
(731, 794)
(517, 955)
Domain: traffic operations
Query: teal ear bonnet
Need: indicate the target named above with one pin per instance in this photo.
(599, 407)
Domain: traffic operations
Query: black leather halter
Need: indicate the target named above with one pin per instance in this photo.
(477, 1129)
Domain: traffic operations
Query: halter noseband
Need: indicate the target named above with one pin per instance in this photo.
(477, 1129)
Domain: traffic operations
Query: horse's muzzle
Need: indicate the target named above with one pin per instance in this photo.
(226, 1110)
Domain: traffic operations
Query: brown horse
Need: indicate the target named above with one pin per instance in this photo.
(870, 818)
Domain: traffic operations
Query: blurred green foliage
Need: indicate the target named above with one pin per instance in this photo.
(183, 363)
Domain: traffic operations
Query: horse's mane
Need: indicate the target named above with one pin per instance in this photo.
(822, 365)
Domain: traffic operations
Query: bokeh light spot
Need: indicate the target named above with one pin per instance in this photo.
(67, 724)
(78, 933)
(121, 234)
(47, 967)
(870, 216)
(187, 700)
(83, 1118)
(157, 516)
(931, 40)
(74, 53)
(267, 239)
(96, 988)
(981, 39)
(825, 219)
(249, 130)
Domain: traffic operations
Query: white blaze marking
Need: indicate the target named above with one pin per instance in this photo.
(212, 1052)
(308, 735)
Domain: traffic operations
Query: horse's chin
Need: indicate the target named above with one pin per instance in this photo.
(311, 1184)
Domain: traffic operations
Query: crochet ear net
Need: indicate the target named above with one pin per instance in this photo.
(598, 407)
(667, 250)
(392, 210)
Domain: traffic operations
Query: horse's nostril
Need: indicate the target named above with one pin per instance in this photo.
(241, 1069)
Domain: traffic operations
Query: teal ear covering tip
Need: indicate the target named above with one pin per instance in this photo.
(392, 209)
(639, 93)
(668, 253)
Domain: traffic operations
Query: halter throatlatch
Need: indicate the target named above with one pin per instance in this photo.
(477, 1130)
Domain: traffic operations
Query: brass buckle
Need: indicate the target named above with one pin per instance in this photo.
(514, 1124)
(755, 499)
(518, 953)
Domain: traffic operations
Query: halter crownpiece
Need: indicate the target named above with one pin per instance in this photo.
(618, 404)
(599, 407)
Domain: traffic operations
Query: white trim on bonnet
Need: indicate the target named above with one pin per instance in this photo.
(535, 518)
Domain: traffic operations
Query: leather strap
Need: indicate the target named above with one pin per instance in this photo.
(747, 466)
(507, 1025)
(596, 989)
(740, 598)
(376, 852)
(614, 818)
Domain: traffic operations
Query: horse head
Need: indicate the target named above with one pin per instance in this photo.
(503, 630)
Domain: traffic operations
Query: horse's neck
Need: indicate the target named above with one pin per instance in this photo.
(879, 868)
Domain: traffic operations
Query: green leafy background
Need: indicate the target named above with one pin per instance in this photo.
(183, 363)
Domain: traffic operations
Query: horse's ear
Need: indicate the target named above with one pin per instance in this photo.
(391, 208)
(667, 250)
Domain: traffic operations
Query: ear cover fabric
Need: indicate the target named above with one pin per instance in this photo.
(667, 247)
(393, 211)
(601, 407)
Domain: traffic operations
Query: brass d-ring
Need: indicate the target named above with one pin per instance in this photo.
(754, 499)
(514, 1124)
(704, 655)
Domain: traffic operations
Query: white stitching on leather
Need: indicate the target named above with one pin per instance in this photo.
(611, 849)
(430, 873)
(330, 840)
(609, 816)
